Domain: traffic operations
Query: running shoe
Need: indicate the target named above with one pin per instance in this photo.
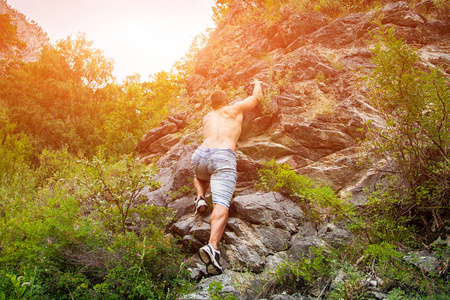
(200, 205)
(211, 258)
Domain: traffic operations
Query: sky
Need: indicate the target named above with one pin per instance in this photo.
(141, 36)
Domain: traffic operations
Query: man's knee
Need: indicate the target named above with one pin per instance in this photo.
(220, 210)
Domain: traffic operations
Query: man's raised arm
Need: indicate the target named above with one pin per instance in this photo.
(250, 103)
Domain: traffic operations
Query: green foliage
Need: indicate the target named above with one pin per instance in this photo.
(319, 201)
(15, 150)
(18, 287)
(215, 289)
(414, 103)
(8, 35)
(383, 252)
(352, 286)
(114, 190)
(88, 65)
(46, 104)
(220, 9)
(63, 243)
(398, 294)
(305, 270)
(67, 99)
(415, 141)
(384, 215)
(74, 227)
(138, 108)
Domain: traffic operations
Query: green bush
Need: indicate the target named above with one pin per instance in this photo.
(318, 200)
(61, 244)
(414, 142)
(15, 150)
(306, 270)
(215, 290)
(114, 190)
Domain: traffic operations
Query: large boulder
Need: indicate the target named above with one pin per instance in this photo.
(268, 209)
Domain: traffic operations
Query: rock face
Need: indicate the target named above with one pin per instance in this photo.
(310, 119)
(28, 32)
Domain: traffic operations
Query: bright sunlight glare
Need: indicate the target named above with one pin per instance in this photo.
(142, 36)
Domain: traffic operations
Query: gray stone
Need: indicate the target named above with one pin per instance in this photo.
(163, 144)
(423, 260)
(154, 135)
(183, 226)
(288, 297)
(335, 235)
(300, 245)
(244, 257)
(274, 239)
(264, 149)
(399, 13)
(286, 32)
(314, 138)
(193, 83)
(224, 281)
(182, 206)
(255, 127)
(274, 261)
(267, 208)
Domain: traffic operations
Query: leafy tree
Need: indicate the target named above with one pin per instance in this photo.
(8, 35)
(123, 122)
(138, 108)
(221, 9)
(53, 100)
(164, 90)
(89, 66)
(15, 149)
(414, 101)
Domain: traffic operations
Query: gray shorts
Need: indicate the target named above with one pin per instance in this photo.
(218, 166)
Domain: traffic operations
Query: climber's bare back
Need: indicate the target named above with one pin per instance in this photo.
(222, 128)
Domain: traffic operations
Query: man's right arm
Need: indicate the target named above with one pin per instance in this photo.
(250, 103)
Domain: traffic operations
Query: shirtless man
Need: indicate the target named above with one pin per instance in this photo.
(214, 164)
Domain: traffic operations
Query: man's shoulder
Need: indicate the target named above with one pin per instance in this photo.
(246, 104)
(234, 108)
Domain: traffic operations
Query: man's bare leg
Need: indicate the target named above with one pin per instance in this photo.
(201, 186)
(209, 254)
(219, 219)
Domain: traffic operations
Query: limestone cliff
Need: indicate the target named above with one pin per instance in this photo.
(28, 32)
(310, 119)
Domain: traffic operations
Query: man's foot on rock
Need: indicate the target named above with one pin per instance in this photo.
(211, 258)
(200, 205)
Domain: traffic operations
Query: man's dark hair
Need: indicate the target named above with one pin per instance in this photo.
(218, 99)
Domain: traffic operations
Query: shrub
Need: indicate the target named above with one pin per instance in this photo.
(215, 291)
(113, 191)
(15, 150)
(307, 269)
(414, 142)
(320, 201)
(64, 246)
